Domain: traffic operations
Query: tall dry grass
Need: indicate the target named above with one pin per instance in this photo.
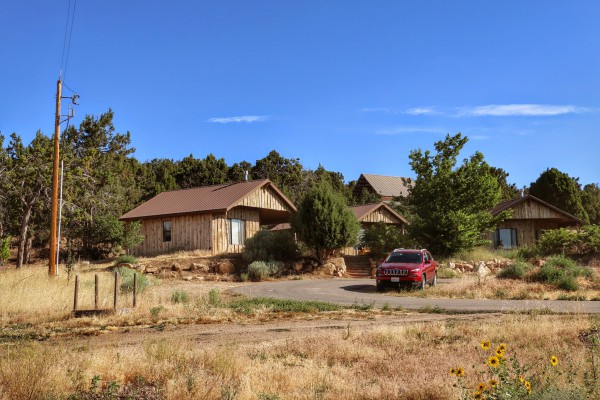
(390, 362)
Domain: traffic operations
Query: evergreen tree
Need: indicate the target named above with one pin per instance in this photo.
(451, 205)
(590, 199)
(324, 222)
(560, 190)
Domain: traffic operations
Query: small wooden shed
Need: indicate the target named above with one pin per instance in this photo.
(218, 218)
(370, 214)
(530, 218)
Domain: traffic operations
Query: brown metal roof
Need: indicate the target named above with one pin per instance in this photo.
(363, 210)
(388, 186)
(201, 199)
(507, 204)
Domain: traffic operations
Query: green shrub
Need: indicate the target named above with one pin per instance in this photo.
(260, 270)
(528, 252)
(4, 250)
(557, 241)
(214, 298)
(568, 283)
(270, 246)
(589, 239)
(382, 238)
(515, 271)
(447, 273)
(126, 275)
(180, 296)
(562, 272)
(125, 259)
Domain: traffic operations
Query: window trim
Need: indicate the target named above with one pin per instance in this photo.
(167, 234)
(241, 237)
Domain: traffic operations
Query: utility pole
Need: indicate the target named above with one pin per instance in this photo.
(54, 213)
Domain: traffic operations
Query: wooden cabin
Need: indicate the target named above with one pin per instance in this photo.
(387, 187)
(530, 218)
(370, 214)
(218, 218)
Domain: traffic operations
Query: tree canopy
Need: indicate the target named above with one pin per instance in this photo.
(451, 205)
(324, 222)
(560, 190)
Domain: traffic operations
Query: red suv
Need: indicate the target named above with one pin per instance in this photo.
(408, 267)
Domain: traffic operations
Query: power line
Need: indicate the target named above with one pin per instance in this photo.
(64, 63)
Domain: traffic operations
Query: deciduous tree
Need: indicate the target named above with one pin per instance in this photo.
(451, 204)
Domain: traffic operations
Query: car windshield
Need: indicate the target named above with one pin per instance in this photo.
(409, 258)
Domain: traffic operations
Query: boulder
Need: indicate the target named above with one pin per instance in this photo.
(175, 267)
(483, 271)
(451, 265)
(329, 268)
(298, 266)
(150, 270)
(467, 267)
(538, 262)
(200, 267)
(339, 263)
(225, 266)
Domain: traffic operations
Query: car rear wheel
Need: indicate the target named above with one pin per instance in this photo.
(423, 281)
(434, 281)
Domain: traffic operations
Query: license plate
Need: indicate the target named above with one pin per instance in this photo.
(395, 279)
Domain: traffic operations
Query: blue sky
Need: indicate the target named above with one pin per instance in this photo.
(352, 85)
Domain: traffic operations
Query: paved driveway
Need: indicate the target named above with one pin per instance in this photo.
(362, 291)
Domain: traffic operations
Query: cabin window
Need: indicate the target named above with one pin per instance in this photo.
(237, 231)
(166, 231)
(505, 238)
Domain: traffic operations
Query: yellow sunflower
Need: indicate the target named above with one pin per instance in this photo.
(481, 386)
(499, 353)
(477, 395)
(460, 372)
(527, 386)
(521, 379)
(493, 361)
(452, 371)
(554, 361)
(486, 344)
(493, 383)
(503, 347)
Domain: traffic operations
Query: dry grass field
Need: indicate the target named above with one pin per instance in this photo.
(211, 345)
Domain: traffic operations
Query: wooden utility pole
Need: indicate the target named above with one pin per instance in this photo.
(54, 214)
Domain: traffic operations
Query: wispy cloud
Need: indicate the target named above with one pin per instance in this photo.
(243, 118)
(420, 111)
(531, 110)
(479, 137)
(492, 110)
(400, 130)
(398, 111)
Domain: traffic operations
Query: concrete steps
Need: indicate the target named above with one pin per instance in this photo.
(358, 266)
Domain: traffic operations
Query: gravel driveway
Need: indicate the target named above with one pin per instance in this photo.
(362, 291)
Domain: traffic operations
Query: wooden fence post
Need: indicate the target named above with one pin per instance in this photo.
(76, 292)
(134, 289)
(115, 292)
(95, 291)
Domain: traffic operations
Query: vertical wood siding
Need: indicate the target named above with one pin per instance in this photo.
(188, 232)
(530, 219)
(533, 210)
(267, 198)
(219, 224)
(381, 215)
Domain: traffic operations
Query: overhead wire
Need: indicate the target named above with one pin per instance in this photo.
(64, 63)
